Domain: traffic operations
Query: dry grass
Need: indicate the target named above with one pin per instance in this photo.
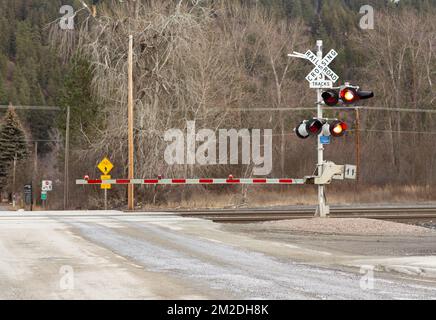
(259, 196)
(305, 195)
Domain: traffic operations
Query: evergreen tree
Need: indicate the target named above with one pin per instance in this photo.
(292, 8)
(3, 95)
(12, 143)
(85, 111)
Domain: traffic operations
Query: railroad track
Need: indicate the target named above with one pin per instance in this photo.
(395, 213)
(404, 213)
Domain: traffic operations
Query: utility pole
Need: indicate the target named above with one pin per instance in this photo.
(13, 181)
(130, 190)
(357, 144)
(35, 172)
(323, 208)
(67, 156)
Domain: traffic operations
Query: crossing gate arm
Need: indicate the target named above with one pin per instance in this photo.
(203, 181)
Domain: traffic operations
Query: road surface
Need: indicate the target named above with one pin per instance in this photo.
(110, 255)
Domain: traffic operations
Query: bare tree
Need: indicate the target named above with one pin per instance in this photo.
(401, 59)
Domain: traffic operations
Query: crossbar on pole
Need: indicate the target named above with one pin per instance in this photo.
(203, 181)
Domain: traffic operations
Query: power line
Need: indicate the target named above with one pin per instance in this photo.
(46, 140)
(398, 109)
(46, 108)
(395, 131)
(56, 108)
(351, 130)
(267, 109)
(331, 109)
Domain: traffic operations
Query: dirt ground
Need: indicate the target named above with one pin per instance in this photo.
(395, 248)
(375, 244)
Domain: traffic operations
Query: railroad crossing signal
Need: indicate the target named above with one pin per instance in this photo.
(315, 127)
(346, 95)
(308, 128)
(335, 128)
(105, 166)
(330, 97)
(322, 77)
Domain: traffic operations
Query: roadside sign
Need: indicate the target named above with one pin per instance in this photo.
(47, 185)
(321, 84)
(321, 66)
(28, 189)
(44, 195)
(106, 186)
(324, 139)
(28, 194)
(105, 166)
(350, 172)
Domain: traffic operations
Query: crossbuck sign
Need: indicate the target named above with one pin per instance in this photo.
(321, 68)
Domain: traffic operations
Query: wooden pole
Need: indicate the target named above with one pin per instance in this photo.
(67, 155)
(130, 190)
(14, 181)
(105, 199)
(35, 173)
(357, 144)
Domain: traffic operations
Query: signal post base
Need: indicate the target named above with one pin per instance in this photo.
(322, 210)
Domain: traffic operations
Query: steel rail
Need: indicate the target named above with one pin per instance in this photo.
(257, 215)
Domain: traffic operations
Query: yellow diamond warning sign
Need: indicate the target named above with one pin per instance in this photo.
(105, 166)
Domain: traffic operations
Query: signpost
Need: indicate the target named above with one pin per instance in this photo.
(319, 78)
(106, 186)
(28, 195)
(323, 84)
(44, 199)
(105, 167)
(47, 185)
(325, 139)
(350, 172)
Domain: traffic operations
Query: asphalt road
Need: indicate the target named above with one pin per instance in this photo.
(109, 255)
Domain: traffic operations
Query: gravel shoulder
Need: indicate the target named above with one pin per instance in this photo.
(350, 226)
(391, 247)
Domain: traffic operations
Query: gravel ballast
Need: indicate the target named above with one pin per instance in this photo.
(348, 226)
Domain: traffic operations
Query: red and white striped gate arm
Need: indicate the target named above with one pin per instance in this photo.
(283, 181)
